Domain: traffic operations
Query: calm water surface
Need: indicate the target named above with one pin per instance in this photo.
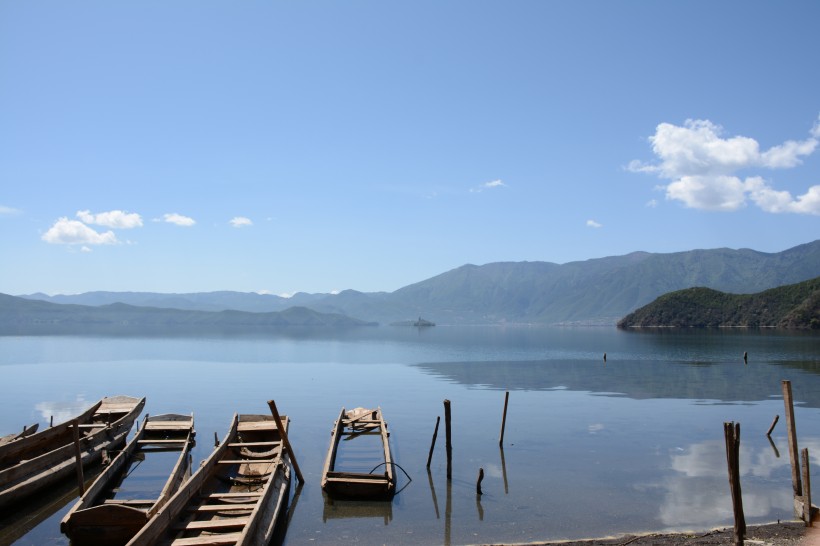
(591, 448)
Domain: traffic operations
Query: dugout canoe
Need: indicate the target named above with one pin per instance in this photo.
(30, 464)
(235, 498)
(114, 509)
(379, 483)
(27, 431)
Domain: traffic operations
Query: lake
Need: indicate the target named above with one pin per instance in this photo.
(592, 447)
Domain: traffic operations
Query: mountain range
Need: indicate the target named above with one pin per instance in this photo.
(596, 291)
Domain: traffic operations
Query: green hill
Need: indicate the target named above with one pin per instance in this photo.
(796, 306)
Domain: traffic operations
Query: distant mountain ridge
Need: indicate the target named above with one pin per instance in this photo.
(33, 316)
(795, 306)
(596, 291)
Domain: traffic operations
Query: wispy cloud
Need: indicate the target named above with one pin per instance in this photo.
(9, 211)
(594, 224)
(240, 221)
(74, 232)
(701, 165)
(488, 186)
(177, 219)
(116, 219)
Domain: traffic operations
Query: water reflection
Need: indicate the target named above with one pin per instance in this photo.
(697, 494)
(62, 411)
(639, 380)
(344, 509)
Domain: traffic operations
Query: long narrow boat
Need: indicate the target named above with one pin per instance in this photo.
(108, 514)
(35, 462)
(365, 485)
(27, 431)
(235, 498)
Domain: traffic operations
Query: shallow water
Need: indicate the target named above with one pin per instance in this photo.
(591, 447)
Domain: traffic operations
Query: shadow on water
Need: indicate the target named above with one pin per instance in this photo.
(344, 509)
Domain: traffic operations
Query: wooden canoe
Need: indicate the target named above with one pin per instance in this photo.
(235, 498)
(35, 462)
(363, 485)
(107, 515)
(27, 431)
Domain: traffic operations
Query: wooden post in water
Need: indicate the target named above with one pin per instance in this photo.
(480, 479)
(216, 440)
(284, 435)
(771, 428)
(433, 443)
(448, 438)
(792, 437)
(78, 456)
(804, 455)
(504, 419)
(731, 432)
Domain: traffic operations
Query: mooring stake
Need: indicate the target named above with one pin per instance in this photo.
(731, 432)
(448, 438)
(504, 419)
(433, 443)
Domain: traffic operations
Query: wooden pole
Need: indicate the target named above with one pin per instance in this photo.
(480, 479)
(78, 456)
(504, 419)
(433, 443)
(216, 440)
(792, 437)
(731, 433)
(771, 428)
(804, 455)
(448, 437)
(284, 435)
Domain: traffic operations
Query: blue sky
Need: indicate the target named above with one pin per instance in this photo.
(318, 146)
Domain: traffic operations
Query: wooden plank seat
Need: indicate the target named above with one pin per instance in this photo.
(354, 475)
(249, 461)
(233, 495)
(253, 444)
(222, 507)
(131, 502)
(214, 524)
(208, 540)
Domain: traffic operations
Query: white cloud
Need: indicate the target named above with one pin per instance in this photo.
(594, 224)
(488, 185)
(178, 219)
(116, 219)
(9, 211)
(85, 249)
(240, 221)
(73, 232)
(701, 165)
(652, 203)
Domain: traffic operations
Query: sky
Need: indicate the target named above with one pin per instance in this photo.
(282, 147)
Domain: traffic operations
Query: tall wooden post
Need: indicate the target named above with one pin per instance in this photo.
(504, 419)
(792, 437)
(283, 434)
(804, 455)
(731, 432)
(78, 457)
(448, 437)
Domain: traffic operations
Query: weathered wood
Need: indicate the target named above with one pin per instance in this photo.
(78, 457)
(216, 489)
(731, 433)
(791, 431)
(504, 419)
(804, 455)
(283, 434)
(480, 479)
(448, 439)
(433, 443)
(771, 428)
(339, 483)
(96, 519)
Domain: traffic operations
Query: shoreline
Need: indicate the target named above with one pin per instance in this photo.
(787, 533)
